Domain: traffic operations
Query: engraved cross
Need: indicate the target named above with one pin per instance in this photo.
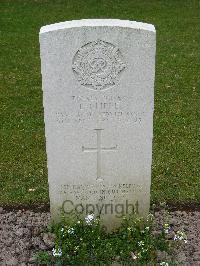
(99, 150)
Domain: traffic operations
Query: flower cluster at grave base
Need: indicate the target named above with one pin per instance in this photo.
(86, 242)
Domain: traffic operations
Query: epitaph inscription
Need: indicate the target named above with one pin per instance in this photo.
(83, 192)
(97, 65)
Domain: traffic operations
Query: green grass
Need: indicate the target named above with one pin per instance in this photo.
(176, 164)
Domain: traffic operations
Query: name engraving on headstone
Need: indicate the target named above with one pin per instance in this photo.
(105, 108)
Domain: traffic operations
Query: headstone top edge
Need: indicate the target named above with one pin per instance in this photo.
(97, 23)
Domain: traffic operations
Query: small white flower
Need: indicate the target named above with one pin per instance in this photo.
(166, 228)
(150, 217)
(144, 250)
(31, 189)
(180, 236)
(163, 263)
(57, 252)
(147, 228)
(62, 230)
(89, 218)
(141, 243)
(70, 231)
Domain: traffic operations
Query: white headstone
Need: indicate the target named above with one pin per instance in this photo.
(98, 89)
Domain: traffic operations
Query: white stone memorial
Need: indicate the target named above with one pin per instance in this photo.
(98, 95)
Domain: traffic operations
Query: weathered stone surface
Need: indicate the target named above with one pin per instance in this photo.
(98, 87)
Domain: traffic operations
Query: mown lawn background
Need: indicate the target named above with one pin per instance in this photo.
(176, 163)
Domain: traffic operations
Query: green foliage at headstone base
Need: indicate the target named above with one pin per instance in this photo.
(86, 242)
(176, 145)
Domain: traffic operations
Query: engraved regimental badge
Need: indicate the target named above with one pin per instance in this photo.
(97, 65)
